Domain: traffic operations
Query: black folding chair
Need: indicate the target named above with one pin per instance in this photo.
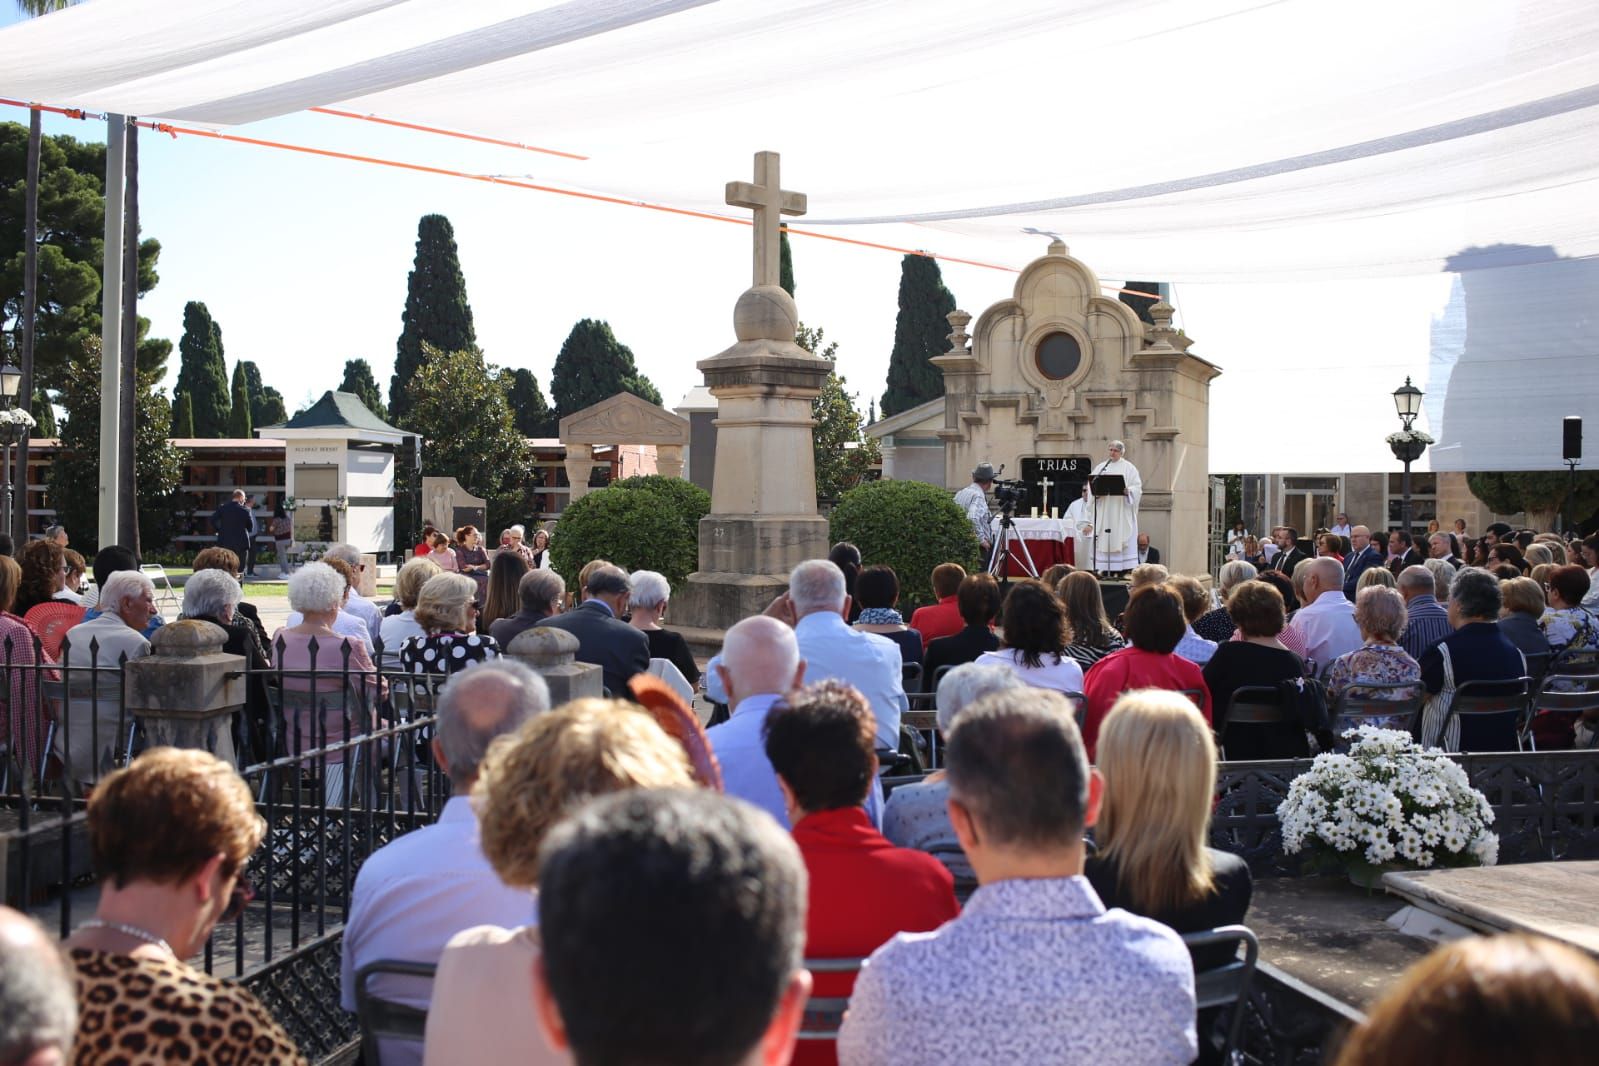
(911, 676)
(824, 1014)
(1226, 984)
(954, 859)
(1560, 702)
(1489, 714)
(1361, 703)
(385, 1019)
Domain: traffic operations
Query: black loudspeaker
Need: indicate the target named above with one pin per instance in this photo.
(1114, 595)
(1571, 438)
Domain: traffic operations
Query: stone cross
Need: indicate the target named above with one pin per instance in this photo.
(1046, 485)
(769, 201)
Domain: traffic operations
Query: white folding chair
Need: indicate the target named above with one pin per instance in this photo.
(163, 585)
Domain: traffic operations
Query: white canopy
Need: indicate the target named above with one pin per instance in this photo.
(1181, 140)
(1185, 140)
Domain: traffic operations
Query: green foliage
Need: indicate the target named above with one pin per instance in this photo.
(920, 332)
(76, 471)
(436, 311)
(460, 411)
(266, 403)
(529, 409)
(359, 380)
(44, 413)
(910, 526)
(785, 266)
(842, 456)
(1140, 304)
(594, 366)
(71, 234)
(636, 526)
(239, 424)
(183, 417)
(690, 503)
(1541, 494)
(203, 372)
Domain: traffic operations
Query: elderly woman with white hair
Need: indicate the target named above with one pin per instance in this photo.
(647, 601)
(332, 669)
(1217, 624)
(917, 815)
(213, 596)
(447, 610)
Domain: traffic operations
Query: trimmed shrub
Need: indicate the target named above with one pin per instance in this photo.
(909, 525)
(644, 523)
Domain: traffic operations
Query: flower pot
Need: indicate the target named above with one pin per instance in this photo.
(1363, 874)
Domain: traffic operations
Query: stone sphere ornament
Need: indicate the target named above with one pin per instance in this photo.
(765, 312)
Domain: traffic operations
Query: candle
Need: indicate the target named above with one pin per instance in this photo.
(1035, 512)
(1054, 512)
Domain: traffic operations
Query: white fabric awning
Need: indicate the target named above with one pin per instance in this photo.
(1186, 140)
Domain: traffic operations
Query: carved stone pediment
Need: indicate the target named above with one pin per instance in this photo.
(624, 419)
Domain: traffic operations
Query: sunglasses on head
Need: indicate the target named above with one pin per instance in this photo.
(243, 892)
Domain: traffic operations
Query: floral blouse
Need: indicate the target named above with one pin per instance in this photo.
(1572, 629)
(1375, 664)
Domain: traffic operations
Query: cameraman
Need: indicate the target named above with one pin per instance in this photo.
(973, 499)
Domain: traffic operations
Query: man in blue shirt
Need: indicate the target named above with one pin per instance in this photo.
(1426, 620)
(759, 663)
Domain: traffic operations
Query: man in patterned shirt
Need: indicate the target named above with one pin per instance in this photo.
(1035, 969)
(973, 499)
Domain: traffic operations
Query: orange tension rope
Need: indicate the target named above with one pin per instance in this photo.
(174, 131)
(446, 133)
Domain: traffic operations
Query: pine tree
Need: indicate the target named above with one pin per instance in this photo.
(239, 425)
(203, 372)
(594, 366)
(529, 409)
(359, 380)
(183, 417)
(436, 309)
(920, 332)
(785, 265)
(44, 413)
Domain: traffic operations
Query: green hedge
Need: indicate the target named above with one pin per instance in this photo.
(909, 525)
(641, 523)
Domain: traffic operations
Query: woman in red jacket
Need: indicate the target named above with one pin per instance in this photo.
(1155, 624)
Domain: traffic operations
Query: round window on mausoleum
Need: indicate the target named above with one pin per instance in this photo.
(1058, 356)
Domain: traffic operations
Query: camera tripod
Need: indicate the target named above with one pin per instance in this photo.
(999, 556)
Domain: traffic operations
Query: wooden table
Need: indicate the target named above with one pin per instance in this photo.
(1553, 899)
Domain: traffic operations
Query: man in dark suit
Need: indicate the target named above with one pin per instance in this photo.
(1363, 556)
(234, 525)
(603, 638)
(1401, 552)
(1288, 554)
(1146, 554)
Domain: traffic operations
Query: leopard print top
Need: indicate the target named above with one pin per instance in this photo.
(138, 1011)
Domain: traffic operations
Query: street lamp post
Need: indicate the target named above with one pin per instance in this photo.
(14, 422)
(1408, 444)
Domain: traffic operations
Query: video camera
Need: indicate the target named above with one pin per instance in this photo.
(1009, 493)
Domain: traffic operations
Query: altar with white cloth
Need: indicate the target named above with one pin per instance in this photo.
(1048, 541)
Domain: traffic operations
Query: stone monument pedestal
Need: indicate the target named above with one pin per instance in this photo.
(187, 691)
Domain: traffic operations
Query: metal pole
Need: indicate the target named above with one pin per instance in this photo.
(30, 305)
(111, 330)
(9, 489)
(128, 504)
(1404, 508)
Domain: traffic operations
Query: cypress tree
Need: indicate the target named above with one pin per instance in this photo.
(266, 403)
(530, 411)
(436, 309)
(239, 424)
(594, 366)
(359, 380)
(1140, 304)
(785, 265)
(44, 413)
(203, 372)
(183, 417)
(920, 332)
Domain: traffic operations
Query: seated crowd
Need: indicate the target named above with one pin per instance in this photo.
(585, 890)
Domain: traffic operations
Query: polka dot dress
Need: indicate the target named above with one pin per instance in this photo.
(445, 653)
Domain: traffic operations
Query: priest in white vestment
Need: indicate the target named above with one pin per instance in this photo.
(1080, 527)
(1115, 545)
